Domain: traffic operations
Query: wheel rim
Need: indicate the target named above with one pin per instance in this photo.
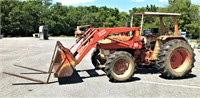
(120, 66)
(180, 58)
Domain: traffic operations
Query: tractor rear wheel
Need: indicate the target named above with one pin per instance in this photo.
(175, 59)
(120, 66)
(96, 60)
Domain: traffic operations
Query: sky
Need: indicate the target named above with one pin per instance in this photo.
(122, 5)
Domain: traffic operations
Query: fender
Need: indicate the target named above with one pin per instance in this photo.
(167, 38)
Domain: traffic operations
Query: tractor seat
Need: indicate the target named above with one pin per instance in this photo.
(120, 38)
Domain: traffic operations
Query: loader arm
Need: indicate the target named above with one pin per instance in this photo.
(95, 35)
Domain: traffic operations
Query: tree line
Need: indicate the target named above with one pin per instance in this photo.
(23, 18)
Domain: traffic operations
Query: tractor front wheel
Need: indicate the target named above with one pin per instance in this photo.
(120, 66)
(175, 59)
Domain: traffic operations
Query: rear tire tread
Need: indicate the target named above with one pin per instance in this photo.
(165, 50)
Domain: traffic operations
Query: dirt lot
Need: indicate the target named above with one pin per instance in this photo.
(87, 82)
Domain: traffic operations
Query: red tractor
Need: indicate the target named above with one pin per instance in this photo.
(119, 50)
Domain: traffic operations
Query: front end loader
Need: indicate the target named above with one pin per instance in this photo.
(64, 61)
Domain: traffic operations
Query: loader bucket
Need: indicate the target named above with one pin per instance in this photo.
(63, 61)
(62, 64)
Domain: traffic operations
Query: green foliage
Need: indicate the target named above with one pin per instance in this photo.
(23, 18)
(189, 20)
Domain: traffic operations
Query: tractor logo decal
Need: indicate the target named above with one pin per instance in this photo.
(102, 32)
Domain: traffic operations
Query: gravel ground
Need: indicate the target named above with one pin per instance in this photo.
(86, 82)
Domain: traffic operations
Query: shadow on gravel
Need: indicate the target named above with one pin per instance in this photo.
(92, 73)
(33, 83)
(151, 70)
(189, 76)
(76, 78)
